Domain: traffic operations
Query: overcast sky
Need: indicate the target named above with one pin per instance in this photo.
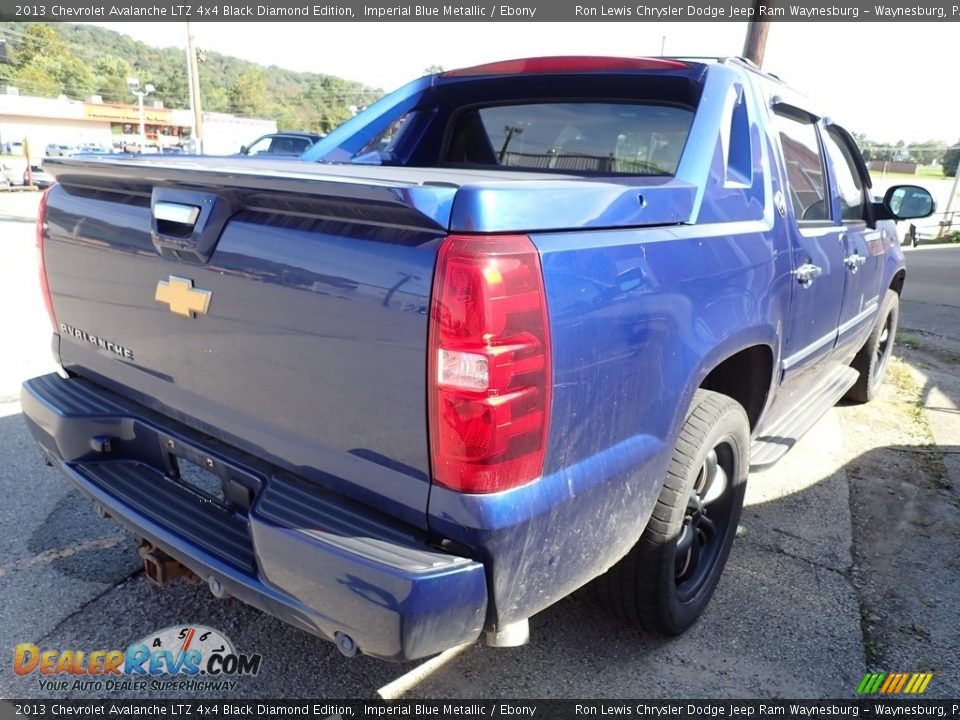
(891, 81)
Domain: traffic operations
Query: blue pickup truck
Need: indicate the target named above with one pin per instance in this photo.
(514, 328)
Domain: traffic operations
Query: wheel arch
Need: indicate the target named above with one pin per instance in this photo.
(746, 376)
(896, 282)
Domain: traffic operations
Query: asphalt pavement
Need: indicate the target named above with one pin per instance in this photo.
(786, 620)
(931, 294)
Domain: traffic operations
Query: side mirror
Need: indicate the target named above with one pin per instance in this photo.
(243, 149)
(630, 279)
(906, 202)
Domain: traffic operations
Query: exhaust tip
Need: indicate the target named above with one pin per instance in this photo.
(345, 644)
(512, 634)
(217, 588)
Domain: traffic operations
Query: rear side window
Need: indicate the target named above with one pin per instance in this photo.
(804, 161)
(572, 137)
(383, 142)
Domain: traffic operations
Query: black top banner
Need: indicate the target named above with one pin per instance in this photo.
(511, 11)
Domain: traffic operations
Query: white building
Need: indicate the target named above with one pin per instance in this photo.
(60, 121)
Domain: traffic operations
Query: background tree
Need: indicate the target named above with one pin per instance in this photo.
(37, 79)
(951, 158)
(80, 60)
(926, 152)
(38, 41)
(45, 66)
(248, 95)
(112, 73)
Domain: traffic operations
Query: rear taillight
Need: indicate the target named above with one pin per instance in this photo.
(489, 366)
(41, 265)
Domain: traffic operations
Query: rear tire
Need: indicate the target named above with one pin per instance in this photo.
(664, 583)
(875, 354)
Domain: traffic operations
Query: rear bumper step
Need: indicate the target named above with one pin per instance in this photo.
(319, 562)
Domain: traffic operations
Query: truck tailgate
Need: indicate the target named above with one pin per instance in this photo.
(290, 321)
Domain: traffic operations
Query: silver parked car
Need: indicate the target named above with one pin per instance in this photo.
(40, 177)
(57, 150)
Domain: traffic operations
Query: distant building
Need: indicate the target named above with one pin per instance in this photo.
(890, 166)
(92, 122)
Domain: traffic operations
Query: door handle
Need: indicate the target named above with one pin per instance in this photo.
(807, 273)
(853, 262)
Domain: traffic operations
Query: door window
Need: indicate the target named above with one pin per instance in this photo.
(260, 146)
(805, 176)
(849, 185)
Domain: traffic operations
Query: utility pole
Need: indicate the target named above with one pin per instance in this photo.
(134, 86)
(947, 222)
(193, 80)
(756, 41)
(26, 154)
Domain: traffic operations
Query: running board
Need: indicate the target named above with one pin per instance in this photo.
(777, 439)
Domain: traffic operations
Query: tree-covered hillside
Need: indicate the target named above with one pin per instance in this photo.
(50, 59)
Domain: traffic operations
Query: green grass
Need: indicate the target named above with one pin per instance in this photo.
(909, 340)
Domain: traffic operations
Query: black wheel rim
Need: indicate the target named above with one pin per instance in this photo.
(706, 521)
(883, 346)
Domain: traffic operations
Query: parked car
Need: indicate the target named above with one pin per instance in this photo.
(515, 328)
(55, 150)
(40, 177)
(280, 144)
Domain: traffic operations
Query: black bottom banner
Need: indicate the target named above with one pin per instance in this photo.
(507, 709)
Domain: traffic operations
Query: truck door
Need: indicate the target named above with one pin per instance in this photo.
(863, 245)
(817, 248)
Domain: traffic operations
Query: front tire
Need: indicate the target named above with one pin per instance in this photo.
(664, 583)
(875, 354)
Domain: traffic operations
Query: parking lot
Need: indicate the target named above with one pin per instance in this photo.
(847, 560)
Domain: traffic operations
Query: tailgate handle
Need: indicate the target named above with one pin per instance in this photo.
(176, 213)
(186, 224)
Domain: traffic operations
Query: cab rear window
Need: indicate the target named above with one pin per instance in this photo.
(571, 137)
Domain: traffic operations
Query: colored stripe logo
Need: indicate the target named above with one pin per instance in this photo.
(894, 683)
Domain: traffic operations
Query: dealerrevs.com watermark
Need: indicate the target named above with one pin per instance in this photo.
(187, 658)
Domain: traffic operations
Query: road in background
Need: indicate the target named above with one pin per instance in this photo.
(931, 294)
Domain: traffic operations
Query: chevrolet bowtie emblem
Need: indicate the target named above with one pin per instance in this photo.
(182, 297)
